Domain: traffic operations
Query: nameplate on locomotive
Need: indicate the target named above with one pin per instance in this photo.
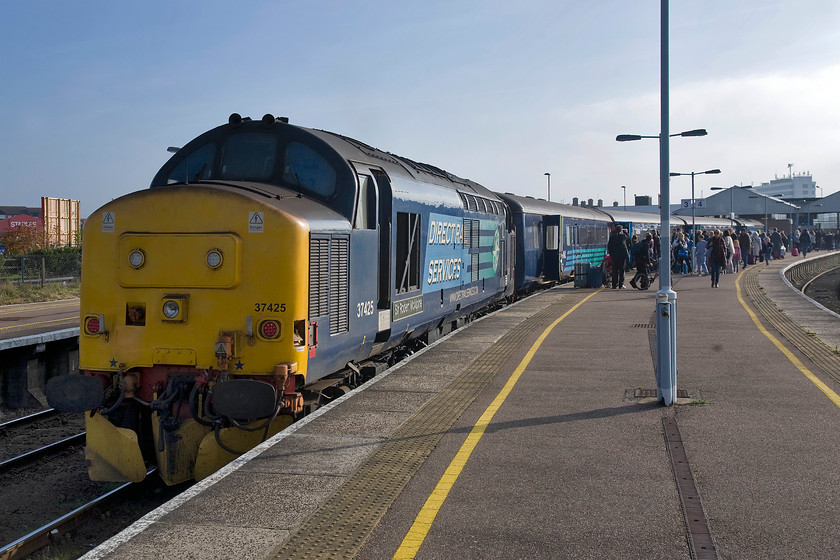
(408, 307)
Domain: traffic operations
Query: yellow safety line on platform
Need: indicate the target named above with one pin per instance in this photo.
(18, 308)
(38, 324)
(423, 522)
(835, 398)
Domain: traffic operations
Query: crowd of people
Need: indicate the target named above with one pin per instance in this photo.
(715, 252)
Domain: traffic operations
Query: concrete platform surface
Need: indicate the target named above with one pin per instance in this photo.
(562, 460)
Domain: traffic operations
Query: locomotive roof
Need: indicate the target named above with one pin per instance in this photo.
(530, 205)
(355, 150)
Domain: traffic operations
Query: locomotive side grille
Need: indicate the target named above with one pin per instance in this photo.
(339, 285)
(475, 233)
(319, 252)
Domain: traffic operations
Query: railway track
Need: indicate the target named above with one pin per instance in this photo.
(37, 435)
(50, 534)
(825, 289)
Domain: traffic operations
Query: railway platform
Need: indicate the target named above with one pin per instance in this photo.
(530, 434)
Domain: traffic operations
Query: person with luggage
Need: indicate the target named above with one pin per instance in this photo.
(619, 254)
(745, 243)
(642, 261)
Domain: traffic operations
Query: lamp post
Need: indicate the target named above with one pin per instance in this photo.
(666, 298)
(731, 203)
(624, 188)
(693, 230)
(809, 213)
(764, 196)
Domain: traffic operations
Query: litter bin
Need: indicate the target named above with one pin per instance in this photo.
(582, 275)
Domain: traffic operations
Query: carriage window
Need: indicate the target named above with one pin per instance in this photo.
(552, 241)
(249, 155)
(199, 164)
(307, 169)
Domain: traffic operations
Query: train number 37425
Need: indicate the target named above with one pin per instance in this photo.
(270, 307)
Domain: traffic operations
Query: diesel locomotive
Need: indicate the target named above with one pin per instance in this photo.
(270, 268)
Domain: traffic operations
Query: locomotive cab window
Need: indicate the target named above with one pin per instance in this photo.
(249, 156)
(195, 166)
(306, 169)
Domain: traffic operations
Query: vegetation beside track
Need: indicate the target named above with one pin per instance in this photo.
(16, 293)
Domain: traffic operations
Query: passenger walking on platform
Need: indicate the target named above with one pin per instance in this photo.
(804, 243)
(736, 256)
(700, 255)
(617, 248)
(730, 250)
(755, 243)
(768, 249)
(745, 242)
(642, 260)
(776, 240)
(717, 256)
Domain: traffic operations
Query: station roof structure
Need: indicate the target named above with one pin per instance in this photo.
(743, 201)
(829, 204)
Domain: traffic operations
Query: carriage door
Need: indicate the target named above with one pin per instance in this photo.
(553, 247)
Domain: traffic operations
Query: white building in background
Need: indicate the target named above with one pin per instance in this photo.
(791, 187)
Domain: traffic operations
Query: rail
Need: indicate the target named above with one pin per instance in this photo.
(35, 454)
(44, 536)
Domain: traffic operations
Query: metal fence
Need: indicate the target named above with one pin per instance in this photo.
(40, 269)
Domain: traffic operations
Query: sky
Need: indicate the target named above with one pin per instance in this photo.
(500, 92)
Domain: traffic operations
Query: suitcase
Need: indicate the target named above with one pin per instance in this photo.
(794, 252)
(751, 259)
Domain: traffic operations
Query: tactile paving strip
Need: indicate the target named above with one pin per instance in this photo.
(341, 525)
(820, 354)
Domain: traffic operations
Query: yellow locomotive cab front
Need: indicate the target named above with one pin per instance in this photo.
(193, 287)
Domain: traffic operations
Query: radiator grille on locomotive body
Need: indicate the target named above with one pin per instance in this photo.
(339, 285)
(319, 263)
(329, 260)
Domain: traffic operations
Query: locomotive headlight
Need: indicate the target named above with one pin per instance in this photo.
(174, 308)
(214, 258)
(136, 258)
(171, 309)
